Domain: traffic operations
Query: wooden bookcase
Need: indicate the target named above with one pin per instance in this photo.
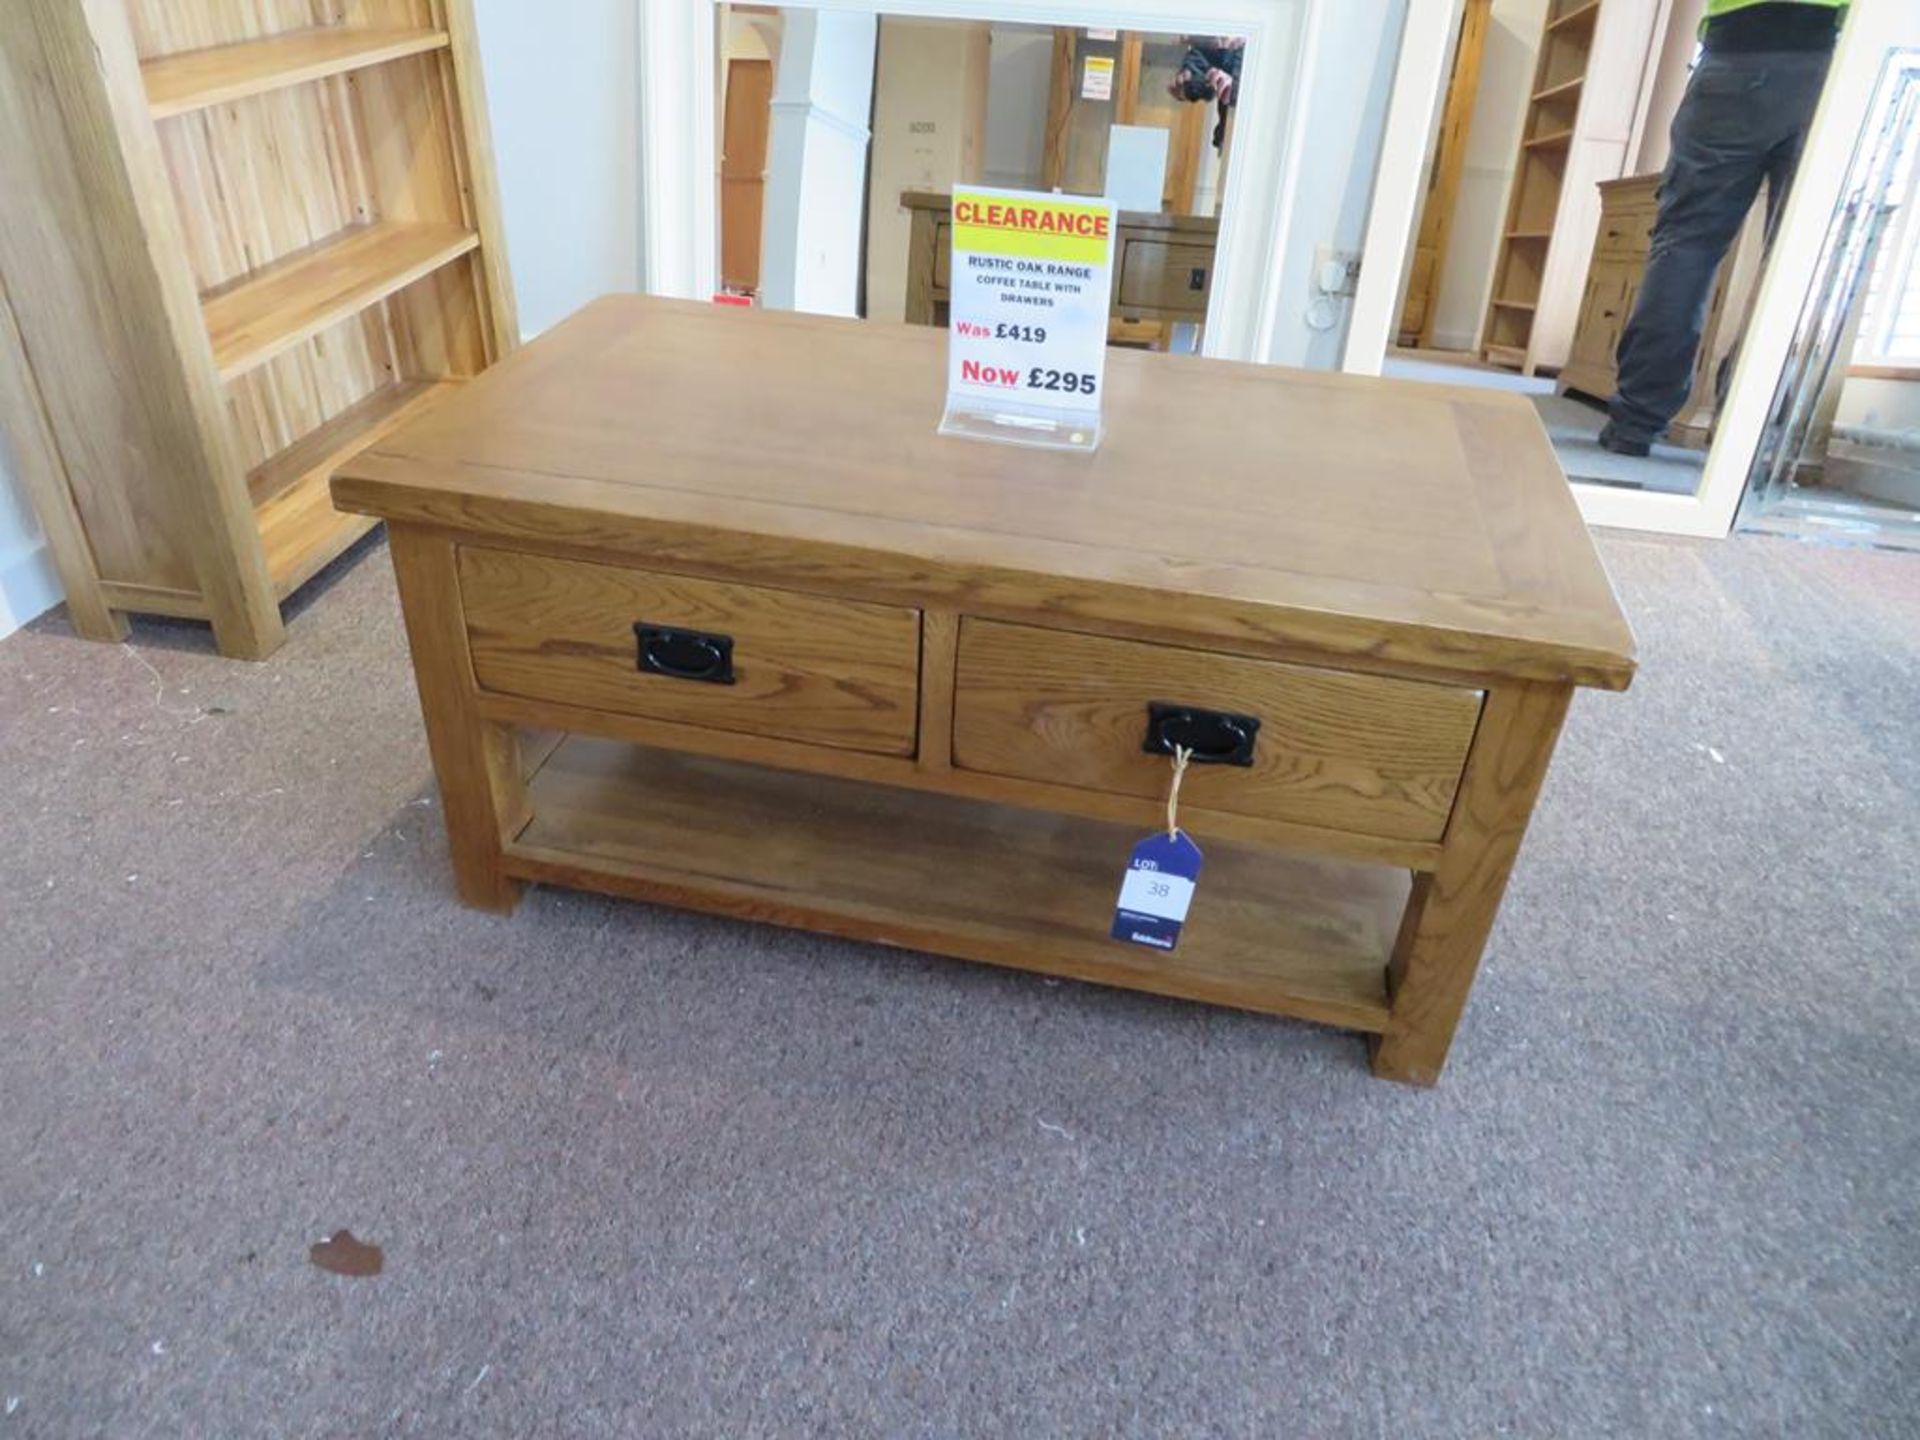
(1587, 94)
(242, 240)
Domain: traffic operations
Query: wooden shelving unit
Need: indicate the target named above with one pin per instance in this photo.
(270, 243)
(1586, 85)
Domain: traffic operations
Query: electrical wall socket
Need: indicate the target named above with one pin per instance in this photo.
(1335, 272)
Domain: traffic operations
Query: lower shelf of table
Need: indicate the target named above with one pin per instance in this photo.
(1283, 934)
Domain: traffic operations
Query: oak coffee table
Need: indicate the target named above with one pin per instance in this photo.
(704, 612)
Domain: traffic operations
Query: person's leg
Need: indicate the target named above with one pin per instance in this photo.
(1795, 86)
(1795, 89)
(1722, 140)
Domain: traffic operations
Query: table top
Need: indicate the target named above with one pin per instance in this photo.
(1401, 523)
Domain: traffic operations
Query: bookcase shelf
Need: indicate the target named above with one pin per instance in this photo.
(295, 299)
(196, 79)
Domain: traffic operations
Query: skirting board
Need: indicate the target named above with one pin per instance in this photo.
(29, 586)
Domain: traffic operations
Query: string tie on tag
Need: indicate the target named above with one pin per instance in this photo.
(1181, 755)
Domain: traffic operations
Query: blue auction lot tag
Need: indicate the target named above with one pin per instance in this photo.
(1157, 890)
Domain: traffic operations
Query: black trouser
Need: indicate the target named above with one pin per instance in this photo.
(1744, 120)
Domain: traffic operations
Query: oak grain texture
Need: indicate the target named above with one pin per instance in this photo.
(1452, 909)
(42, 474)
(1154, 276)
(129, 224)
(1344, 518)
(295, 299)
(827, 672)
(192, 80)
(299, 527)
(476, 761)
(1138, 812)
(1299, 937)
(939, 659)
(464, 80)
(1364, 753)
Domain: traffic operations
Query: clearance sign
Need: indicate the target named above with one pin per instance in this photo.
(1031, 280)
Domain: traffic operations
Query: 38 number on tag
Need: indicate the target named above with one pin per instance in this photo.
(1157, 891)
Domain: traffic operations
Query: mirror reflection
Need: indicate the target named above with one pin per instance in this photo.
(1600, 194)
(842, 136)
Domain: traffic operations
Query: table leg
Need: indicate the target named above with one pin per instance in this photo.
(482, 787)
(1451, 910)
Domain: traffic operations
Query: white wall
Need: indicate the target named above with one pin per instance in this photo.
(1891, 407)
(753, 37)
(1493, 144)
(1358, 50)
(929, 112)
(1019, 81)
(28, 584)
(564, 104)
(817, 163)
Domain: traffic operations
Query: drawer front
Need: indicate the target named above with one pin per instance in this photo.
(1626, 233)
(1361, 753)
(825, 672)
(1157, 275)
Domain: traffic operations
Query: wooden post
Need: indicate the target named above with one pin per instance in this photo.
(482, 786)
(1451, 910)
(921, 258)
(492, 276)
(939, 663)
(1053, 164)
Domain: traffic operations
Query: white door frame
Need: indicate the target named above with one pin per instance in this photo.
(677, 115)
(1873, 28)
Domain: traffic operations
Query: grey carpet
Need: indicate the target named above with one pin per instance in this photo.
(643, 1173)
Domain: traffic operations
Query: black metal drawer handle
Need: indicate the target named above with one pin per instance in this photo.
(685, 654)
(1216, 737)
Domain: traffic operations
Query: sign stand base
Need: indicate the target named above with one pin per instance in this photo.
(1023, 425)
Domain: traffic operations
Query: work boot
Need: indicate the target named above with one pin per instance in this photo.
(1612, 439)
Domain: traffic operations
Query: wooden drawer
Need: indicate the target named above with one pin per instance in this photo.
(1625, 233)
(826, 672)
(1360, 753)
(1158, 275)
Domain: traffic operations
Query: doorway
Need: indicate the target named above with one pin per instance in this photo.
(747, 111)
